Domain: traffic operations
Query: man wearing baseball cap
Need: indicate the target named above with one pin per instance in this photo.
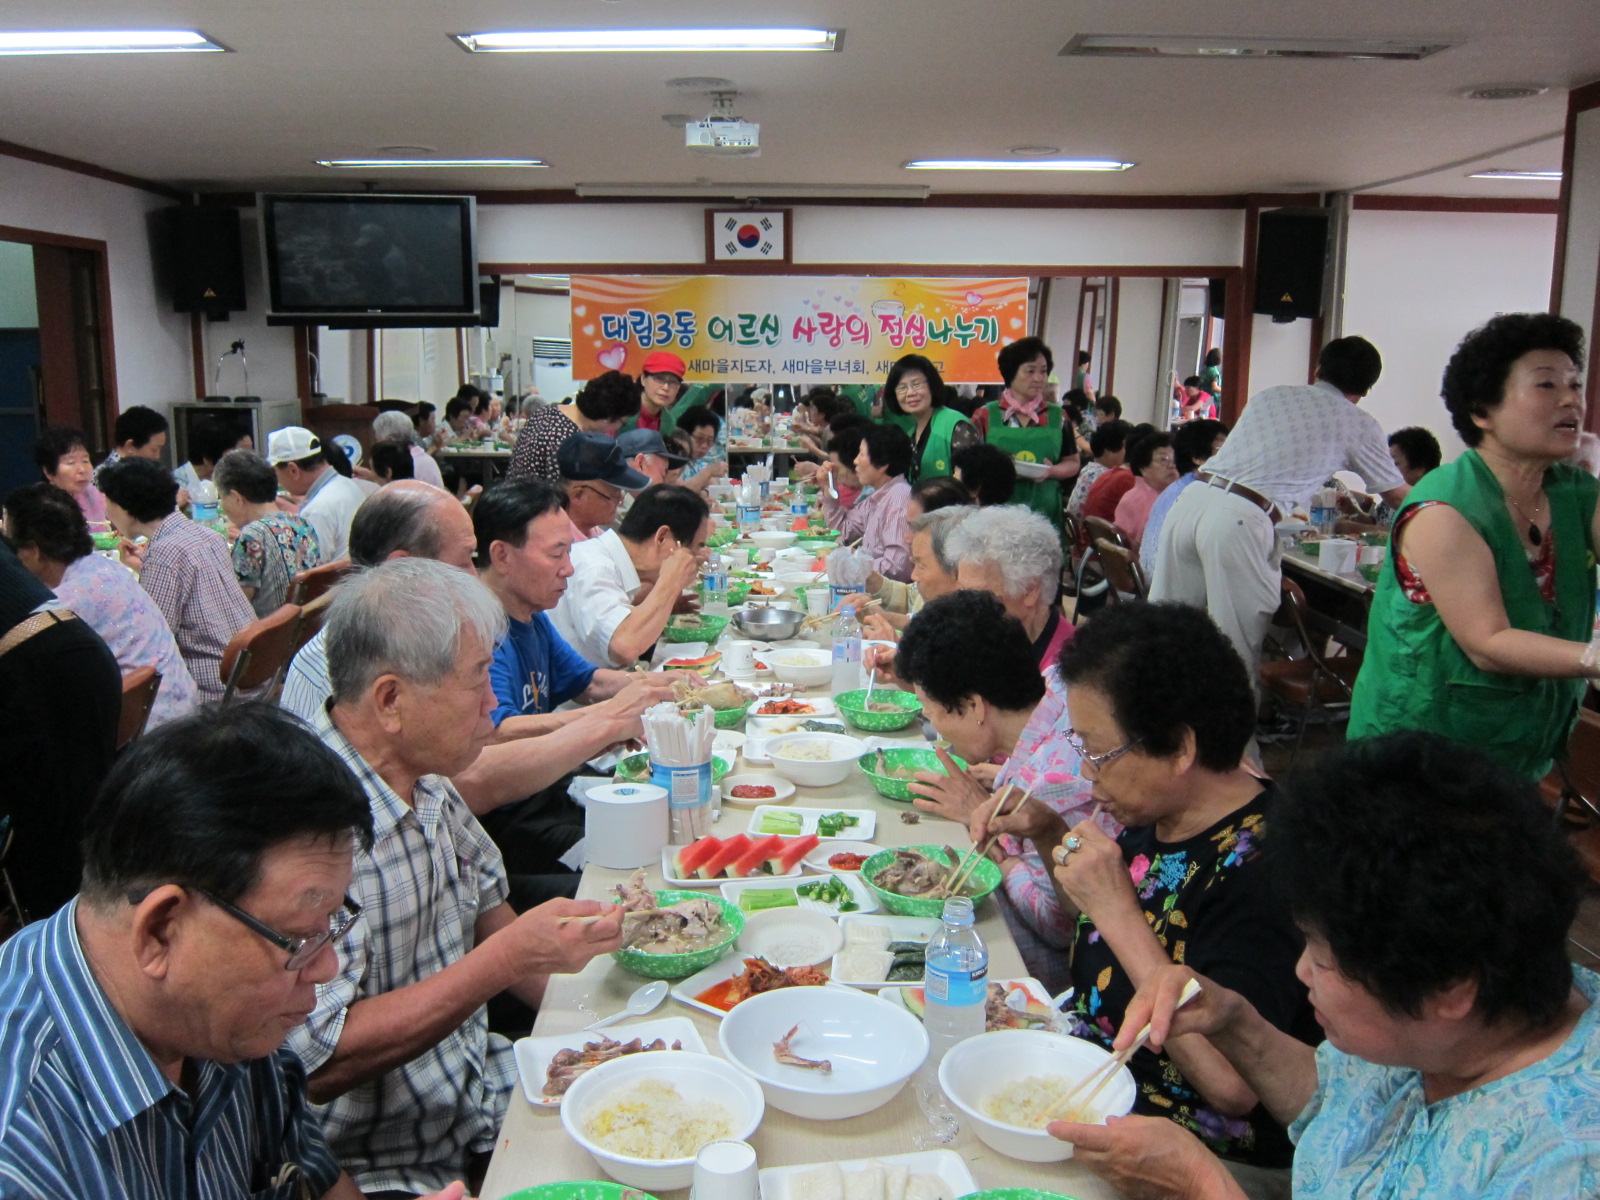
(596, 475)
(327, 499)
(646, 452)
(660, 381)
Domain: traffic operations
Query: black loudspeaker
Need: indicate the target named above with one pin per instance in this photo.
(201, 258)
(489, 303)
(1217, 305)
(1291, 253)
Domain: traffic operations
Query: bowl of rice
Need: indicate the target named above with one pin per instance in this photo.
(813, 759)
(803, 668)
(1011, 1083)
(643, 1118)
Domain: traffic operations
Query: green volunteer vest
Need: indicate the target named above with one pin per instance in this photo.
(935, 459)
(669, 422)
(1036, 443)
(1415, 676)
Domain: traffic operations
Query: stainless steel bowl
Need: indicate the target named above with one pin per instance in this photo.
(768, 624)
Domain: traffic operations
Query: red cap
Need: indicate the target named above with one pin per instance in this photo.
(663, 363)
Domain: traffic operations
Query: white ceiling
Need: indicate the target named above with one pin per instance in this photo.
(916, 78)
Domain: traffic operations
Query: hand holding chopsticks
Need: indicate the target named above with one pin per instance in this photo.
(968, 864)
(1076, 1109)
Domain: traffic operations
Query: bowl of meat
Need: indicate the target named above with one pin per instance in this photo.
(727, 701)
(671, 934)
(824, 1053)
(692, 627)
(894, 771)
(887, 710)
(913, 881)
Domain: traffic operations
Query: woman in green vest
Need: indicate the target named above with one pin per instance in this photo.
(1481, 624)
(913, 400)
(1027, 426)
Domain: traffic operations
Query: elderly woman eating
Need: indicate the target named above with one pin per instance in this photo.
(878, 521)
(972, 668)
(1161, 711)
(1461, 1041)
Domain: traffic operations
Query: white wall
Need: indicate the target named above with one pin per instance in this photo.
(1583, 223)
(1278, 353)
(1138, 350)
(152, 341)
(1417, 282)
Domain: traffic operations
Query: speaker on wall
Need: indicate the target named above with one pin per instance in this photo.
(1217, 298)
(489, 302)
(1291, 253)
(201, 258)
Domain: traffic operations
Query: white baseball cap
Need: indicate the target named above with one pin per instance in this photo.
(291, 444)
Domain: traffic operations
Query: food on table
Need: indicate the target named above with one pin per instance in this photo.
(762, 899)
(1008, 1006)
(1034, 1102)
(691, 924)
(758, 976)
(568, 1064)
(831, 890)
(703, 665)
(882, 767)
(883, 706)
(691, 694)
(875, 1181)
(912, 873)
(788, 1058)
(762, 589)
(757, 791)
(817, 751)
(830, 824)
(871, 954)
(741, 856)
(782, 822)
(761, 666)
(688, 621)
(910, 818)
(785, 708)
(821, 727)
(847, 860)
(651, 1119)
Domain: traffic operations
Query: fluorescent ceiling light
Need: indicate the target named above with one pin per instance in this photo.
(111, 41)
(756, 191)
(1011, 164)
(1520, 176)
(559, 40)
(1128, 45)
(387, 163)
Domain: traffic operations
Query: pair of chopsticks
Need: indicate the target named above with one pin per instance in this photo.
(1073, 1109)
(970, 862)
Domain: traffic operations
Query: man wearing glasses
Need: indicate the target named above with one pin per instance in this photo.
(145, 1021)
(597, 476)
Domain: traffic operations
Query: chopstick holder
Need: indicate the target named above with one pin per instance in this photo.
(680, 763)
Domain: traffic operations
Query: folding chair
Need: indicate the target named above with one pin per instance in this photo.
(139, 690)
(308, 585)
(1317, 682)
(258, 655)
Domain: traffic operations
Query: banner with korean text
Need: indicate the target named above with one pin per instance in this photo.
(800, 329)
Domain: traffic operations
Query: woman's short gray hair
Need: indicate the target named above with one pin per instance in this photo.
(939, 525)
(393, 426)
(405, 617)
(1018, 542)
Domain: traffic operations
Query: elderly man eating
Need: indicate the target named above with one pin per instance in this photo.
(399, 1047)
(144, 1021)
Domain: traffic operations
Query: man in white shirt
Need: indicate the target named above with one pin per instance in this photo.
(328, 500)
(626, 582)
(1219, 550)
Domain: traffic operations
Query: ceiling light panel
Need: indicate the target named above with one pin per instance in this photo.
(108, 41)
(380, 164)
(1009, 164)
(1116, 45)
(1517, 176)
(647, 40)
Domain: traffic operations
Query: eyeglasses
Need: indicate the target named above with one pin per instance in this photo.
(1097, 761)
(608, 497)
(671, 381)
(301, 950)
(907, 387)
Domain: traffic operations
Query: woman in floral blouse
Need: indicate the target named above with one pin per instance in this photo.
(1161, 711)
(273, 546)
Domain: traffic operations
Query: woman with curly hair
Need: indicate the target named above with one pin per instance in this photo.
(605, 402)
(1481, 622)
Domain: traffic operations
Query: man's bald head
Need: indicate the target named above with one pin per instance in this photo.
(411, 519)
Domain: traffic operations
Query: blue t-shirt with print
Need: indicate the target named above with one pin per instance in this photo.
(535, 671)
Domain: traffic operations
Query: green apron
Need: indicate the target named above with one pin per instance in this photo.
(694, 393)
(669, 422)
(935, 457)
(1415, 676)
(1036, 443)
(861, 395)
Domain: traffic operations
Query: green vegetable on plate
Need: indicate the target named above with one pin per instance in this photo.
(761, 899)
(831, 890)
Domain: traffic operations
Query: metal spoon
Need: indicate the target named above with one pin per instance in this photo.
(647, 999)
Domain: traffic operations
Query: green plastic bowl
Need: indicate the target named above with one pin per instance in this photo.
(985, 877)
(729, 718)
(708, 630)
(853, 706)
(721, 537)
(738, 593)
(893, 787)
(814, 545)
(1312, 548)
(1370, 571)
(680, 966)
(585, 1189)
(636, 768)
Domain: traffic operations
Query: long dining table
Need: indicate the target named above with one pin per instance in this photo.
(534, 1149)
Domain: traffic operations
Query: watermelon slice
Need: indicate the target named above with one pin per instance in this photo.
(725, 856)
(704, 665)
(916, 1000)
(796, 848)
(754, 859)
(693, 855)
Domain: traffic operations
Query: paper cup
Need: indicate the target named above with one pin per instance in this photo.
(725, 1170)
(818, 601)
(737, 556)
(625, 825)
(1339, 556)
(739, 658)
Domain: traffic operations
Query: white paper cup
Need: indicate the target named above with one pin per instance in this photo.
(818, 601)
(725, 1170)
(737, 556)
(1339, 556)
(739, 658)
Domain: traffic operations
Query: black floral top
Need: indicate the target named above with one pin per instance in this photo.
(1211, 907)
(546, 428)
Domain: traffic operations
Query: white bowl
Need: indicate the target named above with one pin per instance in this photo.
(777, 524)
(791, 937)
(699, 1078)
(975, 1069)
(874, 1047)
(773, 539)
(816, 772)
(807, 668)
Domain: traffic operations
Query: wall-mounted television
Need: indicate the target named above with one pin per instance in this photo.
(369, 260)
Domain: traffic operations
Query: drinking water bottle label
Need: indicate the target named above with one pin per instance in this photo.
(686, 787)
(749, 514)
(847, 650)
(957, 988)
(799, 508)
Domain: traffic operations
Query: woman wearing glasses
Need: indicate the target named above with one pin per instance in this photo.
(1161, 710)
(913, 400)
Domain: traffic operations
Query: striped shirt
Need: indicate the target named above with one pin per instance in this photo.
(86, 1112)
(189, 575)
(431, 873)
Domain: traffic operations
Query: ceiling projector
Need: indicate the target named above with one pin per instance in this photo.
(723, 135)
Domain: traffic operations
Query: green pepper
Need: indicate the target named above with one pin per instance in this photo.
(761, 899)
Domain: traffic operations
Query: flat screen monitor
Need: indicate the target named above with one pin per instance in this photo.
(370, 261)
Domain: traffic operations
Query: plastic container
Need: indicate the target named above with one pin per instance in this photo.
(204, 504)
(956, 980)
(846, 651)
(715, 602)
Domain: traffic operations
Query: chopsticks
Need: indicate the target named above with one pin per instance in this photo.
(1071, 1109)
(970, 862)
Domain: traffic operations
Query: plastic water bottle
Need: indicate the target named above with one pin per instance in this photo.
(204, 505)
(715, 602)
(847, 653)
(748, 507)
(956, 980)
